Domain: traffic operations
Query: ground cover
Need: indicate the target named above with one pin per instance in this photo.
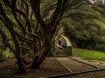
(89, 54)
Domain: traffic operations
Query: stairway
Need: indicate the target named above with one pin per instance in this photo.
(62, 54)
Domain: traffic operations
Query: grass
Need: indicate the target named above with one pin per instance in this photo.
(89, 54)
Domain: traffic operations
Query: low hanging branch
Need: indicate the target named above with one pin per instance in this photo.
(33, 31)
(36, 9)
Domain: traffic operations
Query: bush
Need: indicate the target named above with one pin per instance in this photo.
(1, 55)
(3, 47)
(8, 54)
(100, 47)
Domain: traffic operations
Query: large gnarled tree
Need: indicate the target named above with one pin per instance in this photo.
(26, 28)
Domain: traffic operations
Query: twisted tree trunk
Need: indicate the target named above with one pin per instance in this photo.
(38, 59)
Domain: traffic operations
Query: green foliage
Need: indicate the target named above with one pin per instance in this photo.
(89, 54)
(100, 47)
(5, 52)
(85, 23)
(1, 52)
(1, 55)
(8, 54)
(3, 47)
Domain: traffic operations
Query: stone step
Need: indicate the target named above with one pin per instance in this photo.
(62, 55)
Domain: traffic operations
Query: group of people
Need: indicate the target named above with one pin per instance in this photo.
(61, 45)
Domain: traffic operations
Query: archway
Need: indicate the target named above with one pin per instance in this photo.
(63, 46)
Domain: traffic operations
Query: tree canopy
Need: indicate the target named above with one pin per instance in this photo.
(28, 27)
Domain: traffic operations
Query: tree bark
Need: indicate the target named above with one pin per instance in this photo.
(38, 60)
(21, 68)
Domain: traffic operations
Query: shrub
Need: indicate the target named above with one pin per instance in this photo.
(8, 54)
(1, 55)
(100, 47)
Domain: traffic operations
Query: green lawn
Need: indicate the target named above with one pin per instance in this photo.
(89, 54)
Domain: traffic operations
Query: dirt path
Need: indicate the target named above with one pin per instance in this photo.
(96, 74)
(51, 66)
(75, 66)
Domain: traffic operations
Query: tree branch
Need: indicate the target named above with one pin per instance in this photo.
(36, 9)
